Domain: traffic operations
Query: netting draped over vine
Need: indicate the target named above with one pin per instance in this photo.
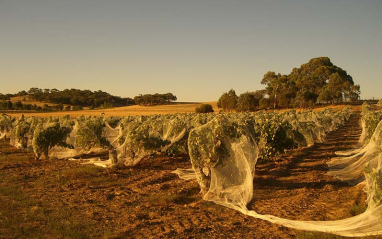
(351, 168)
(223, 150)
(222, 163)
(136, 137)
(5, 126)
(350, 164)
(223, 155)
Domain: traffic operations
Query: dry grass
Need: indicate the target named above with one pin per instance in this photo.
(179, 107)
(26, 100)
(127, 110)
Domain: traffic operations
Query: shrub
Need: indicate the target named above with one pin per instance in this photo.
(204, 108)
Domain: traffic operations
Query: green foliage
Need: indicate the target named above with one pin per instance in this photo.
(5, 97)
(204, 108)
(273, 84)
(47, 136)
(247, 102)
(271, 133)
(8, 105)
(77, 107)
(79, 98)
(113, 121)
(210, 146)
(139, 142)
(90, 133)
(5, 125)
(155, 99)
(160, 133)
(370, 120)
(142, 136)
(128, 124)
(305, 99)
(20, 131)
(357, 209)
(228, 101)
(374, 178)
(337, 88)
(264, 103)
(178, 148)
(354, 93)
(205, 144)
(152, 143)
(319, 80)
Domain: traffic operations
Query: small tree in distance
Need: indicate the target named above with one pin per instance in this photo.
(228, 101)
(264, 103)
(204, 108)
(250, 101)
(247, 102)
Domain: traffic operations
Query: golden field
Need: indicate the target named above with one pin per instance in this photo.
(127, 110)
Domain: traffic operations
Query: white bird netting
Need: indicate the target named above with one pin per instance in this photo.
(223, 150)
(223, 156)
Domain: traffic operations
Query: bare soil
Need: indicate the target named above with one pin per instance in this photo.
(64, 199)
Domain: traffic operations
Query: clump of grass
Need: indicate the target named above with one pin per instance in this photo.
(357, 209)
(86, 171)
(359, 205)
(173, 198)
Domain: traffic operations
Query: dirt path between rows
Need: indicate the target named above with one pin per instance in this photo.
(64, 199)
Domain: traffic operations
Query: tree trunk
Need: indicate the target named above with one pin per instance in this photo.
(46, 155)
(275, 102)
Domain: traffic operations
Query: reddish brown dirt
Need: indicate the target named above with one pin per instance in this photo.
(148, 201)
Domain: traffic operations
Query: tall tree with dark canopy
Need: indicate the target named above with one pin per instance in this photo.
(318, 81)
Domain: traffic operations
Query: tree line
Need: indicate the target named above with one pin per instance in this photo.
(154, 99)
(317, 82)
(76, 99)
(6, 105)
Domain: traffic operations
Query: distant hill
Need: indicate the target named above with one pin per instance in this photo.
(27, 100)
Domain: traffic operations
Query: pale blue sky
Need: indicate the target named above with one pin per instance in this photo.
(196, 49)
